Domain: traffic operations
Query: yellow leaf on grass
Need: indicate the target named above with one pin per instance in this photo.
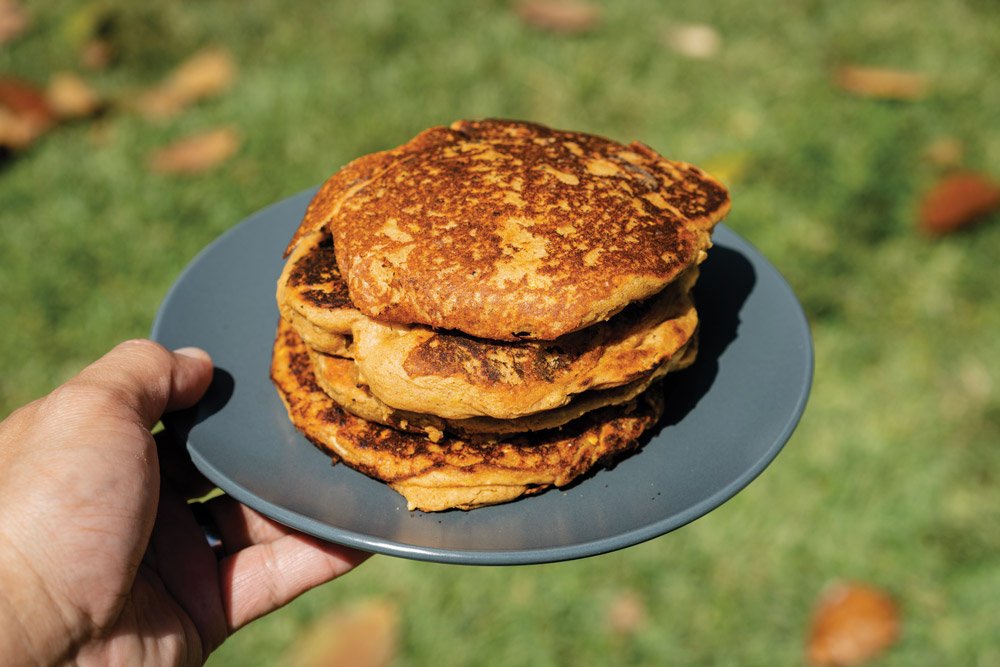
(197, 153)
(882, 83)
(852, 623)
(205, 74)
(71, 97)
(693, 40)
(945, 152)
(364, 635)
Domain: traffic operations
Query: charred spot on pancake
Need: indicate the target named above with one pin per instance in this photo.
(318, 278)
(319, 266)
(323, 299)
(490, 362)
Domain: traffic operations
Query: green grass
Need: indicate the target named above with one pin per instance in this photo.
(894, 474)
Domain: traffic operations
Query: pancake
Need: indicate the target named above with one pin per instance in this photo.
(510, 231)
(313, 296)
(338, 378)
(416, 369)
(453, 376)
(455, 473)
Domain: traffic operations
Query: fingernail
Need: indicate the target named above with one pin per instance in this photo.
(194, 353)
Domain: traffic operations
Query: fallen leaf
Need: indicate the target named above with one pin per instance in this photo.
(626, 614)
(957, 201)
(97, 54)
(208, 72)
(70, 97)
(881, 83)
(15, 132)
(196, 153)
(205, 74)
(13, 20)
(945, 152)
(852, 623)
(565, 16)
(25, 99)
(26, 113)
(693, 40)
(364, 635)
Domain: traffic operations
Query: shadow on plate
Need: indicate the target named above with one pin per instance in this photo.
(727, 279)
(180, 423)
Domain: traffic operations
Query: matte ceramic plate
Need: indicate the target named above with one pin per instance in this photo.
(728, 416)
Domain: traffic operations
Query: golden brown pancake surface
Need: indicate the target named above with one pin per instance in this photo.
(458, 377)
(415, 369)
(338, 378)
(454, 473)
(508, 230)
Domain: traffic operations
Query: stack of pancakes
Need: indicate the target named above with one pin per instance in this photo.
(483, 312)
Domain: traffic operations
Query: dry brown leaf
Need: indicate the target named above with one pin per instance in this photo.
(882, 83)
(565, 16)
(945, 152)
(208, 72)
(196, 153)
(13, 20)
(852, 623)
(97, 54)
(693, 40)
(364, 635)
(626, 614)
(957, 201)
(26, 113)
(71, 97)
(205, 74)
(15, 132)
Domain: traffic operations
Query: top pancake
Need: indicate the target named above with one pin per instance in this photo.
(509, 230)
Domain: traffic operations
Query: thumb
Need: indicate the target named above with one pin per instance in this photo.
(143, 379)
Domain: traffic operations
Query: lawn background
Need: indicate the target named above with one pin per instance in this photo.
(893, 477)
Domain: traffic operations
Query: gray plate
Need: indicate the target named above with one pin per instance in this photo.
(728, 416)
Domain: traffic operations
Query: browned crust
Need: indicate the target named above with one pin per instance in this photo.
(338, 378)
(458, 377)
(356, 174)
(312, 294)
(454, 473)
(509, 230)
(417, 369)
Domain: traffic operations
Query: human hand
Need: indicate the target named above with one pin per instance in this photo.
(101, 560)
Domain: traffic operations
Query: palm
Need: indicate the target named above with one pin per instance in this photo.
(173, 612)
